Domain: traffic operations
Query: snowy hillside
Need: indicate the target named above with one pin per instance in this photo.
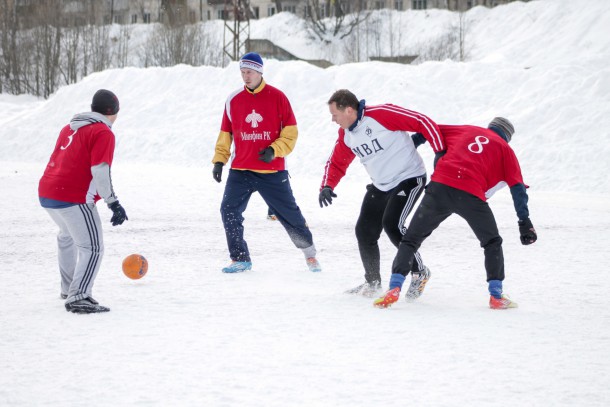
(542, 64)
(188, 335)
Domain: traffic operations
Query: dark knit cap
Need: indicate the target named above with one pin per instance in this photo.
(105, 102)
(503, 127)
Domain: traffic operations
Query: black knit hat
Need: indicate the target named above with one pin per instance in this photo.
(105, 102)
(503, 127)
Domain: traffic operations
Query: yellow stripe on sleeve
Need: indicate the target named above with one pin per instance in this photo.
(222, 151)
(286, 142)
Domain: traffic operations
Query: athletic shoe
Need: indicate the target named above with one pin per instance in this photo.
(86, 306)
(314, 265)
(237, 267)
(501, 303)
(271, 217)
(63, 296)
(418, 283)
(388, 299)
(366, 289)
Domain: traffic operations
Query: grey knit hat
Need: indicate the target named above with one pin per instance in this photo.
(503, 127)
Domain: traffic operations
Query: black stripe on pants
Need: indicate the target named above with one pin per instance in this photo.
(385, 211)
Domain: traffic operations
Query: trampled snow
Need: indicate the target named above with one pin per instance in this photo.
(188, 335)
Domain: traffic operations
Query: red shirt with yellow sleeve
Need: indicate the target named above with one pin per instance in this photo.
(253, 121)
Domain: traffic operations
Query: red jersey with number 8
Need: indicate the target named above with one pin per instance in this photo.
(478, 161)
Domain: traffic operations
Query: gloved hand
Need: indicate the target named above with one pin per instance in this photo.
(266, 155)
(527, 231)
(217, 171)
(418, 139)
(438, 156)
(326, 196)
(118, 214)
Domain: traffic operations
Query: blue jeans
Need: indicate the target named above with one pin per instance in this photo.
(275, 190)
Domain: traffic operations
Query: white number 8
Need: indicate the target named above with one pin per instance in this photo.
(477, 146)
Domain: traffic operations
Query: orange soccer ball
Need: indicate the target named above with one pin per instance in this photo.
(135, 266)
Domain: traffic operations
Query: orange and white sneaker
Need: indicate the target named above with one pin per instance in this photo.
(501, 303)
(388, 299)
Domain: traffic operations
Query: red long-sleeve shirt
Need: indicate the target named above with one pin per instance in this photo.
(478, 161)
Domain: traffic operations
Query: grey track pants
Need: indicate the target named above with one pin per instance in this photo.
(80, 248)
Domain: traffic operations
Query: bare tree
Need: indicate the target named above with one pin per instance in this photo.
(324, 21)
(97, 49)
(121, 46)
(440, 49)
(71, 45)
(184, 44)
(463, 27)
(47, 51)
(8, 46)
(396, 29)
(374, 28)
(42, 47)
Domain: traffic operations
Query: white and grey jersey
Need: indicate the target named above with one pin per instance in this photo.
(388, 156)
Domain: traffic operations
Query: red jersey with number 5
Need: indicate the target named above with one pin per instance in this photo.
(67, 177)
(478, 161)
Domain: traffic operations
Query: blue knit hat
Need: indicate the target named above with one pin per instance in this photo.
(252, 61)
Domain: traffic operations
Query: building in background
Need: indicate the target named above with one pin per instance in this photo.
(80, 12)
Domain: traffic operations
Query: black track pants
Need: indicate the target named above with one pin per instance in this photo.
(439, 202)
(385, 211)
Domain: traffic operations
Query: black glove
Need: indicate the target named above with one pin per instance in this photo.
(438, 156)
(527, 231)
(326, 196)
(118, 214)
(266, 155)
(418, 139)
(217, 171)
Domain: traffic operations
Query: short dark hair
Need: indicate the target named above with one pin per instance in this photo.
(344, 98)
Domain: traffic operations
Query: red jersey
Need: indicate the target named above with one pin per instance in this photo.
(256, 120)
(67, 177)
(478, 161)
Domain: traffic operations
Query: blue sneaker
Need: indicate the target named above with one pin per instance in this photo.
(314, 265)
(237, 267)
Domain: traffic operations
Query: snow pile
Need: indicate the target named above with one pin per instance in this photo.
(189, 335)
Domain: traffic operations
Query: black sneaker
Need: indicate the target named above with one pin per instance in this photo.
(86, 306)
(366, 289)
(63, 296)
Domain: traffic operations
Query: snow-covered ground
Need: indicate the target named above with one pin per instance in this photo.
(188, 335)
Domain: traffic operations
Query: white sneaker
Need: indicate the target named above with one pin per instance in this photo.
(314, 265)
(418, 283)
(366, 289)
